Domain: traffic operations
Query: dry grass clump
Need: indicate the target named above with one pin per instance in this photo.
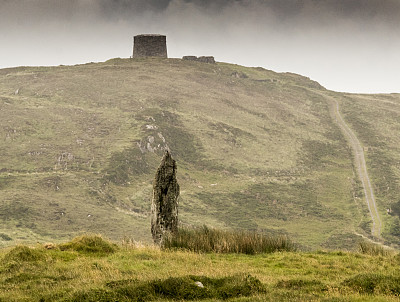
(209, 240)
(373, 249)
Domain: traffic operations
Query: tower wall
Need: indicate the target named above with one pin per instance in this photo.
(149, 46)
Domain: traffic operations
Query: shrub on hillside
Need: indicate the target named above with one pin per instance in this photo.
(373, 249)
(5, 237)
(207, 240)
(374, 284)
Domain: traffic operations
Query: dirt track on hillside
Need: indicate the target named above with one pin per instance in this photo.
(359, 162)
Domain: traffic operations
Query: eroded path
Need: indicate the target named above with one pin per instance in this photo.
(359, 162)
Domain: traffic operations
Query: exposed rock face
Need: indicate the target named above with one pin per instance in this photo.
(164, 204)
(239, 75)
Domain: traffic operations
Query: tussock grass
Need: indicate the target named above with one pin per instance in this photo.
(90, 244)
(23, 253)
(373, 249)
(208, 240)
(22, 257)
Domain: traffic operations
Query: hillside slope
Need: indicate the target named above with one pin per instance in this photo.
(255, 150)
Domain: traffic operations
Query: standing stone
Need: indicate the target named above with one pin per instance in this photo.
(164, 204)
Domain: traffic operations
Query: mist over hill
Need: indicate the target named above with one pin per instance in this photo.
(347, 46)
(255, 150)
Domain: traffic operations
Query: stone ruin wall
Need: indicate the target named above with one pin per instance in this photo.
(149, 46)
(203, 59)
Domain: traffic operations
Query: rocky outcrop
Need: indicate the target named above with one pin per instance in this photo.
(239, 75)
(164, 204)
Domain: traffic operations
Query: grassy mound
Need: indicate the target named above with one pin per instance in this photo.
(22, 253)
(22, 256)
(175, 288)
(218, 241)
(90, 244)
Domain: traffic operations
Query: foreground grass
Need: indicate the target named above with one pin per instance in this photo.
(106, 272)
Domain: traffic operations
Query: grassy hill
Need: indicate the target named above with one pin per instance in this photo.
(79, 146)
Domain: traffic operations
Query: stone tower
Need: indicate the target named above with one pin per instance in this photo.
(164, 204)
(149, 46)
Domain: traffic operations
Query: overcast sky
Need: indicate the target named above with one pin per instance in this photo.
(346, 45)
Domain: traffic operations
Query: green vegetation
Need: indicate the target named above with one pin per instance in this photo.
(374, 249)
(206, 240)
(139, 273)
(79, 146)
(21, 254)
(89, 245)
(375, 119)
(175, 288)
(374, 283)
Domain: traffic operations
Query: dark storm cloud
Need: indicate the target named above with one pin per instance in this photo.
(310, 12)
(386, 11)
(368, 10)
(128, 7)
(132, 6)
